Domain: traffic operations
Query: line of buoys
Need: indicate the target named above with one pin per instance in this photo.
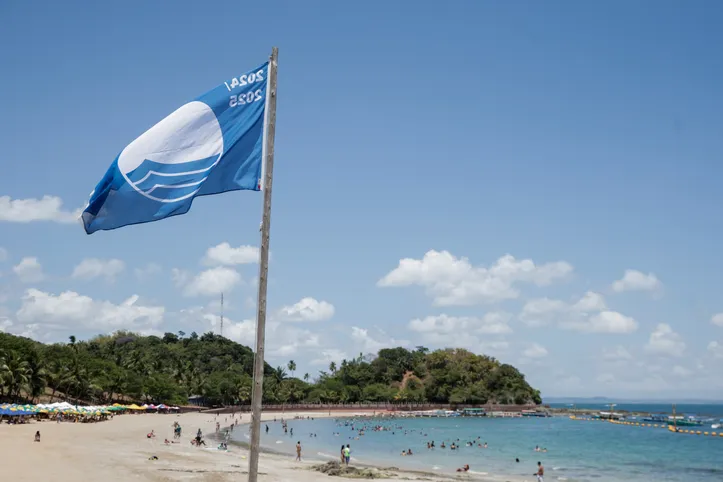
(618, 422)
(695, 432)
(587, 419)
(638, 424)
(651, 425)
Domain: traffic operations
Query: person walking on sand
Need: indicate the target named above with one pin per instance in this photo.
(37, 436)
(298, 451)
(540, 472)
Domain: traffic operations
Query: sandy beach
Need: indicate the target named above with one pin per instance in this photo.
(118, 450)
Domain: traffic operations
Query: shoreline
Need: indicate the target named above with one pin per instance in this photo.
(404, 473)
(119, 450)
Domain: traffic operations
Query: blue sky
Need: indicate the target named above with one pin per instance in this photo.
(584, 141)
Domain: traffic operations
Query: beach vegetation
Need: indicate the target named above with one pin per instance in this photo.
(173, 367)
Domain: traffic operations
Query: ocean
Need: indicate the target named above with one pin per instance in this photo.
(577, 451)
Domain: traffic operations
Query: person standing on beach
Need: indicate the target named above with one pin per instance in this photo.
(298, 451)
(347, 454)
(343, 456)
(540, 472)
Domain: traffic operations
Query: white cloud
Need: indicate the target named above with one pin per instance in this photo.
(478, 334)
(180, 277)
(454, 281)
(243, 332)
(493, 323)
(29, 270)
(665, 342)
(281, 339)
(588, 314)
(590, 302)
(535, 351)
(604, 322)
(147, 271)
(70, 310)
(716, 349)
(328, 356)
(211, 282)
(91, 268)
(634, 280)
(307, 309)
(369, 344)
(48, 208)
(717, 319)
(619, 353)
(293, 342)
(3, 254)
(5, 323)
(541, 311)
(225, 255)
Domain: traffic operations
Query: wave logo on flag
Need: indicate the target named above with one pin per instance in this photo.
(170, 161)
(210, 145)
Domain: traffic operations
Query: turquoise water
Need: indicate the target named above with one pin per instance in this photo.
(577, 451)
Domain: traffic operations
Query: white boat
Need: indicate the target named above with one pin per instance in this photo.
(715, 425)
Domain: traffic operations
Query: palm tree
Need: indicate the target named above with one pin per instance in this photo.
(244, 393)
(332, 367)
(306, 377)
(17, 373)
(292, 367)
(279, 374)
(3, 372)
(57, 377)
(117, 384)
(37, 381)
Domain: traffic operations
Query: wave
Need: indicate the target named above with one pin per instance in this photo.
(328, 456)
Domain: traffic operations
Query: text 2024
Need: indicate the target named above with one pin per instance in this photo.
(245, 79)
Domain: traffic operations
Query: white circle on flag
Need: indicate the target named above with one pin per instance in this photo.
(170, 161)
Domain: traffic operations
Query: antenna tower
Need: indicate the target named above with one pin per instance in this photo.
(221, 314)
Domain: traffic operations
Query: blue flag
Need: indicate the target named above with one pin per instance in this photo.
(210, 145)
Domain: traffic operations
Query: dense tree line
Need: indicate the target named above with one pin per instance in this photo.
(169, 369)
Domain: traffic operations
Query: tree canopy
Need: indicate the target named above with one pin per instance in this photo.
(174, 367)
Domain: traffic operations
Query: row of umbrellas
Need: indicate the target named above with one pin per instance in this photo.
(146, 407)
(68, 409)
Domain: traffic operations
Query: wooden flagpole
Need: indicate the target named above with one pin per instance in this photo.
(257, 393)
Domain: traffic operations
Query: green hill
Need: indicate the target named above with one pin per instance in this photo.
(126, 366)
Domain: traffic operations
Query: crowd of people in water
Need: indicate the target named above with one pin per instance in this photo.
(358, 429)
